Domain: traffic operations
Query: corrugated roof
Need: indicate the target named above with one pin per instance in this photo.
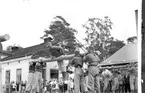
(126, 53)
(28, 51)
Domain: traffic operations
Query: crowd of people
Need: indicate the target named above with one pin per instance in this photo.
(15, 87)
(59, 86)
(110, 81)
(97, 80)
(118, 81)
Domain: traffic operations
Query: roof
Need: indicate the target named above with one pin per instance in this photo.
(128, 53)
(27, 52)
(5, 53)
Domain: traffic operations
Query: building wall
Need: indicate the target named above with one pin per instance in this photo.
(50, 65)
(15, 64)
(23, 65)
(53, 65)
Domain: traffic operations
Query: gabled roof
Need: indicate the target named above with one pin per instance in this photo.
(28, 51)
(128, 53)
(5, 53)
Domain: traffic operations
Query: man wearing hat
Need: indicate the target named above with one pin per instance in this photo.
(79, 79)
(93, 75)
(56, 51)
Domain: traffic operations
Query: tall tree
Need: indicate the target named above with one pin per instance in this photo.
(99, 37)
(63, 34)
(98, 34)
(114, 46)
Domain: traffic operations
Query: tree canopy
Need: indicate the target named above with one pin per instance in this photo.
(63, 34)
(131, 39)
(99, 36)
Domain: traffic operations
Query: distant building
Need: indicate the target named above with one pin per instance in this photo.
(15, 66)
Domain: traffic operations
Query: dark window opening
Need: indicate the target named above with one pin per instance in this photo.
(54, 73)
(18, 75)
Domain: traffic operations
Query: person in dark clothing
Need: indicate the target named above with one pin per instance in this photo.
(61, 87)
(127, 82)
(79, 79)
(65, 87)
(12, 87)
(48, 85)
(23, 86)
(17, 86)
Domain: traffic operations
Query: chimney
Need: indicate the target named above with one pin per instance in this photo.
(15, 48)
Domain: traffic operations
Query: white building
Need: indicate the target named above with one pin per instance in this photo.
(15, 67)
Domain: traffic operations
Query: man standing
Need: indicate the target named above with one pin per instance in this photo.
(38, 81)
(93, 75)
(79, 79)
(120, 79)
(115, 82)
(30, 77)
(127, 82)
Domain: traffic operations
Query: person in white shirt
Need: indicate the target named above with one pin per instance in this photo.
(107, 75)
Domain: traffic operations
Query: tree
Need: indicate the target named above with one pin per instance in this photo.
(99, 37)
(114, 46)
(131, 39)
(98, 34)
(63, 34)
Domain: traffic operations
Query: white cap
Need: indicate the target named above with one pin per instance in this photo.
(48, 36)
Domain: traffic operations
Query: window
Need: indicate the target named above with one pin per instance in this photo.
(54, 73)
(7, 77)
(44, 73)
(18, 75)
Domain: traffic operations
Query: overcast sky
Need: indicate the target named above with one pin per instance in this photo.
(25, 20)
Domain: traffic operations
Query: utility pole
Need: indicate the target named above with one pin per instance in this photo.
(3, 38)
(136, 19)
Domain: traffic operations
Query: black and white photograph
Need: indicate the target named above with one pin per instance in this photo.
(72, 46)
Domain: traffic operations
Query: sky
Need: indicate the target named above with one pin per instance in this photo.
(26, 20)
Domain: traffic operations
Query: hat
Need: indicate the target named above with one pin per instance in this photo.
(48, 36)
